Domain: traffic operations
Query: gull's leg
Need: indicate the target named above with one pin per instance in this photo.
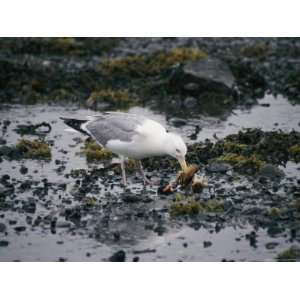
(123, 170)
(145, 179)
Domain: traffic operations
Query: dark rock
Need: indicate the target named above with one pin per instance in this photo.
(53, 226)
(190, 102)
(207, 244)
(265, 104)
(37, 221)
(4, 243)
(252, 211)
(207, 75)
(30, 206)
(160, 230)
(218, 167)
(34, 129)
(144, 251)
(73, 214)
(130, 197)
(191, 87)
(63, 224)
(178, 122)
(119, 256)
(29, 220)
(5, 178)
(20, 228)
(271, 245)
(23, 170)
(252, 238)
(271, 171)
(62, 259)
(2, 227)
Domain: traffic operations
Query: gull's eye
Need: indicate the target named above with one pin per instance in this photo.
(177, 150)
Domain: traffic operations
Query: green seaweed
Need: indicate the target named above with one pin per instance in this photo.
(188, 205)
(241, 161)
(94, 152)
(141, 66)
(294, 152)
(214, 205)
(191, 207)
(258, 50)
(289, 255)
(114, 98)
(90, 201)
(35, 149)
(273, 212)
(234, 147)
(59, 45)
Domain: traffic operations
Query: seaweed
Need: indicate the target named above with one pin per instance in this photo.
(188, 205)
(242, 162)
(35, 149)
(143, 66)
(249, 149)
(59, 45)
(294, 152)
(290, 255)
(94, 152)
(259, 50)
(113, 98)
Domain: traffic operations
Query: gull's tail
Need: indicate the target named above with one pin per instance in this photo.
(76, 125)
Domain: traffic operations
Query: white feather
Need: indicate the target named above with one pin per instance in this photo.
(70, 130)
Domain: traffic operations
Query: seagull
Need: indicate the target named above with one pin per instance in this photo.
(131, 136)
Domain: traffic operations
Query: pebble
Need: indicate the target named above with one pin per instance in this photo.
(2, 227)
(271, 245)
(4, 243)
(207, 244)
(119, 256)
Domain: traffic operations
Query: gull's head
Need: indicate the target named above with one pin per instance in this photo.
(176, 147)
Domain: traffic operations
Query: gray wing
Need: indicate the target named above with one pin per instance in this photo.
(114, 126)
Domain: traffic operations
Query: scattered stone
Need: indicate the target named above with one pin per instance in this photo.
(144, 251)
(23, 170)
(271, 171)
(128, 197)
(19, 228)
(62, 259)
(208, 74)
(207, 244)
(289, 255)
(119, 256)
(2, 227)
(191, 87)
(271, 245)
(4, 243)
(190, 102)
(218, 167)
(178, 122)
(29, 206)
(252, 237)
(34, 129)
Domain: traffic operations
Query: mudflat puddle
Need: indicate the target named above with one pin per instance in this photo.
(28, 240)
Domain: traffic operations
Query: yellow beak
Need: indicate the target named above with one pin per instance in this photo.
(182, 163)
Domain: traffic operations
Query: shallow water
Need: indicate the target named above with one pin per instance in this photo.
(179, 242)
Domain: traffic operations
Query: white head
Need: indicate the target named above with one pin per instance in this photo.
(175, 146)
